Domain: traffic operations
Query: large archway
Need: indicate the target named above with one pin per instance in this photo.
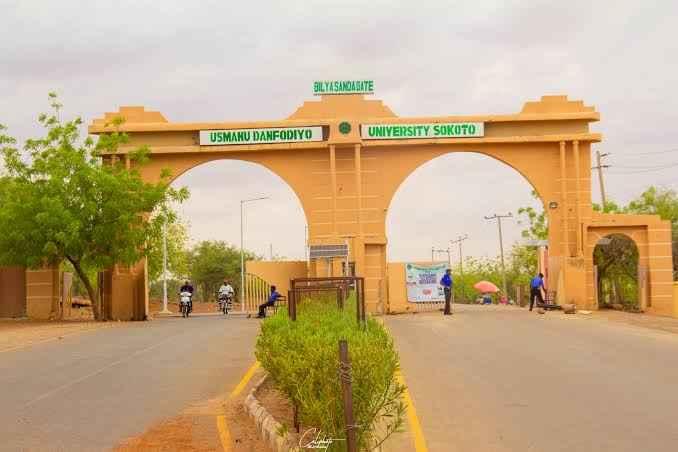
(445, 201)
(346, 176)
(275, 227)
(449, 196)
(233, 204)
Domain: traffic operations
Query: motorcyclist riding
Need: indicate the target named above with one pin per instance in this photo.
(187, 287)
(225, 293)
(226, 289)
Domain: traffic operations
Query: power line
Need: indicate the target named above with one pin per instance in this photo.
(647, 169)
(649, 153)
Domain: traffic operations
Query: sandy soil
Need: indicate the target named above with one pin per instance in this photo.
(16, 334)
(276, 404)
(196, 429)
(243, 431)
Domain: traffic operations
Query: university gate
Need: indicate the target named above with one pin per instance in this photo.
(345, 156)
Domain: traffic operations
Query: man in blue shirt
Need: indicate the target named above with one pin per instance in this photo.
(536, 285)
(446, 282)
(270, 302)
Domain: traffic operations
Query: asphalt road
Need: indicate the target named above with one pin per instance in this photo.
(89, 391)
(504, 379)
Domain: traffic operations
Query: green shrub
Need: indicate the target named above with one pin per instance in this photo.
(302, 357)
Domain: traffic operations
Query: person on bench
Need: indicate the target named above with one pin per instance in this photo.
(536, 286)
(270, 302)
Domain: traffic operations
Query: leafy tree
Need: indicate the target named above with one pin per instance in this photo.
(210, 262)
(537, 227)
(177, 252)
(68, 201)
(662, 202)
(610, 207)
(617, 262)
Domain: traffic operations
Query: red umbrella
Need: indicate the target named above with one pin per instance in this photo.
(486, 287)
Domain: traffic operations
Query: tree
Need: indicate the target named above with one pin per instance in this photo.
(617, 263)
(662, 202)
(68, 200)
(211, 262)
(177, 252)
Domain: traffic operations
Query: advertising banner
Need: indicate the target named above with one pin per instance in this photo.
(423, 282)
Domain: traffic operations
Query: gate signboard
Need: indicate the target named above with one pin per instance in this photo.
(426, 130)
(423, 282)
(267, 135)
(327, 87)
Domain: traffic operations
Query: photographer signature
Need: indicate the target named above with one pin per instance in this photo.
(314, 438)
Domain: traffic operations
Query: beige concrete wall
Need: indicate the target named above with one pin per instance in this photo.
(278, 273)
(42, 293)
(128, 295)
(12, 292)
(397, 290)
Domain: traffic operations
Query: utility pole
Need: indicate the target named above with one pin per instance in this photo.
(459, 240)
(501, 247)
(599, 166)
(449, 255)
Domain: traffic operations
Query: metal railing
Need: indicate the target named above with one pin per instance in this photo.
(255, 293)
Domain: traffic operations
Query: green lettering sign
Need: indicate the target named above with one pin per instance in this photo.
(267, 135)
(415, 131)
(325, 87)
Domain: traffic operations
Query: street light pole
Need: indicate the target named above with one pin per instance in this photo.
(501, 247)
(164, 269)
(242, 250)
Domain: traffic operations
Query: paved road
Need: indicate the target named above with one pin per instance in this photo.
(504, 379)
(91, 390)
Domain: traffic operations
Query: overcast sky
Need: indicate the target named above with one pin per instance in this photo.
(217, 60)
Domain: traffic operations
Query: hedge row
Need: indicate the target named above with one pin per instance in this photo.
(302, 358)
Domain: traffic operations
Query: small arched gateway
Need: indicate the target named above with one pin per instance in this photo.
(345, 156)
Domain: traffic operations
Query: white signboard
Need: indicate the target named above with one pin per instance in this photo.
(261, 136)
(429, 130)
(423, 282)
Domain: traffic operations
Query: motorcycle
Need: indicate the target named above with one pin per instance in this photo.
(225, 302)
(185, 301)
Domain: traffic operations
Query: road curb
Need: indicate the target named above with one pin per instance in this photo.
(266, 425)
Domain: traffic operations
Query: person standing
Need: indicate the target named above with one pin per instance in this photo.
(536, 286)
(446, 282)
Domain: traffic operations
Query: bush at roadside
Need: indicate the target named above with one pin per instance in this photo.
(302, 358)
